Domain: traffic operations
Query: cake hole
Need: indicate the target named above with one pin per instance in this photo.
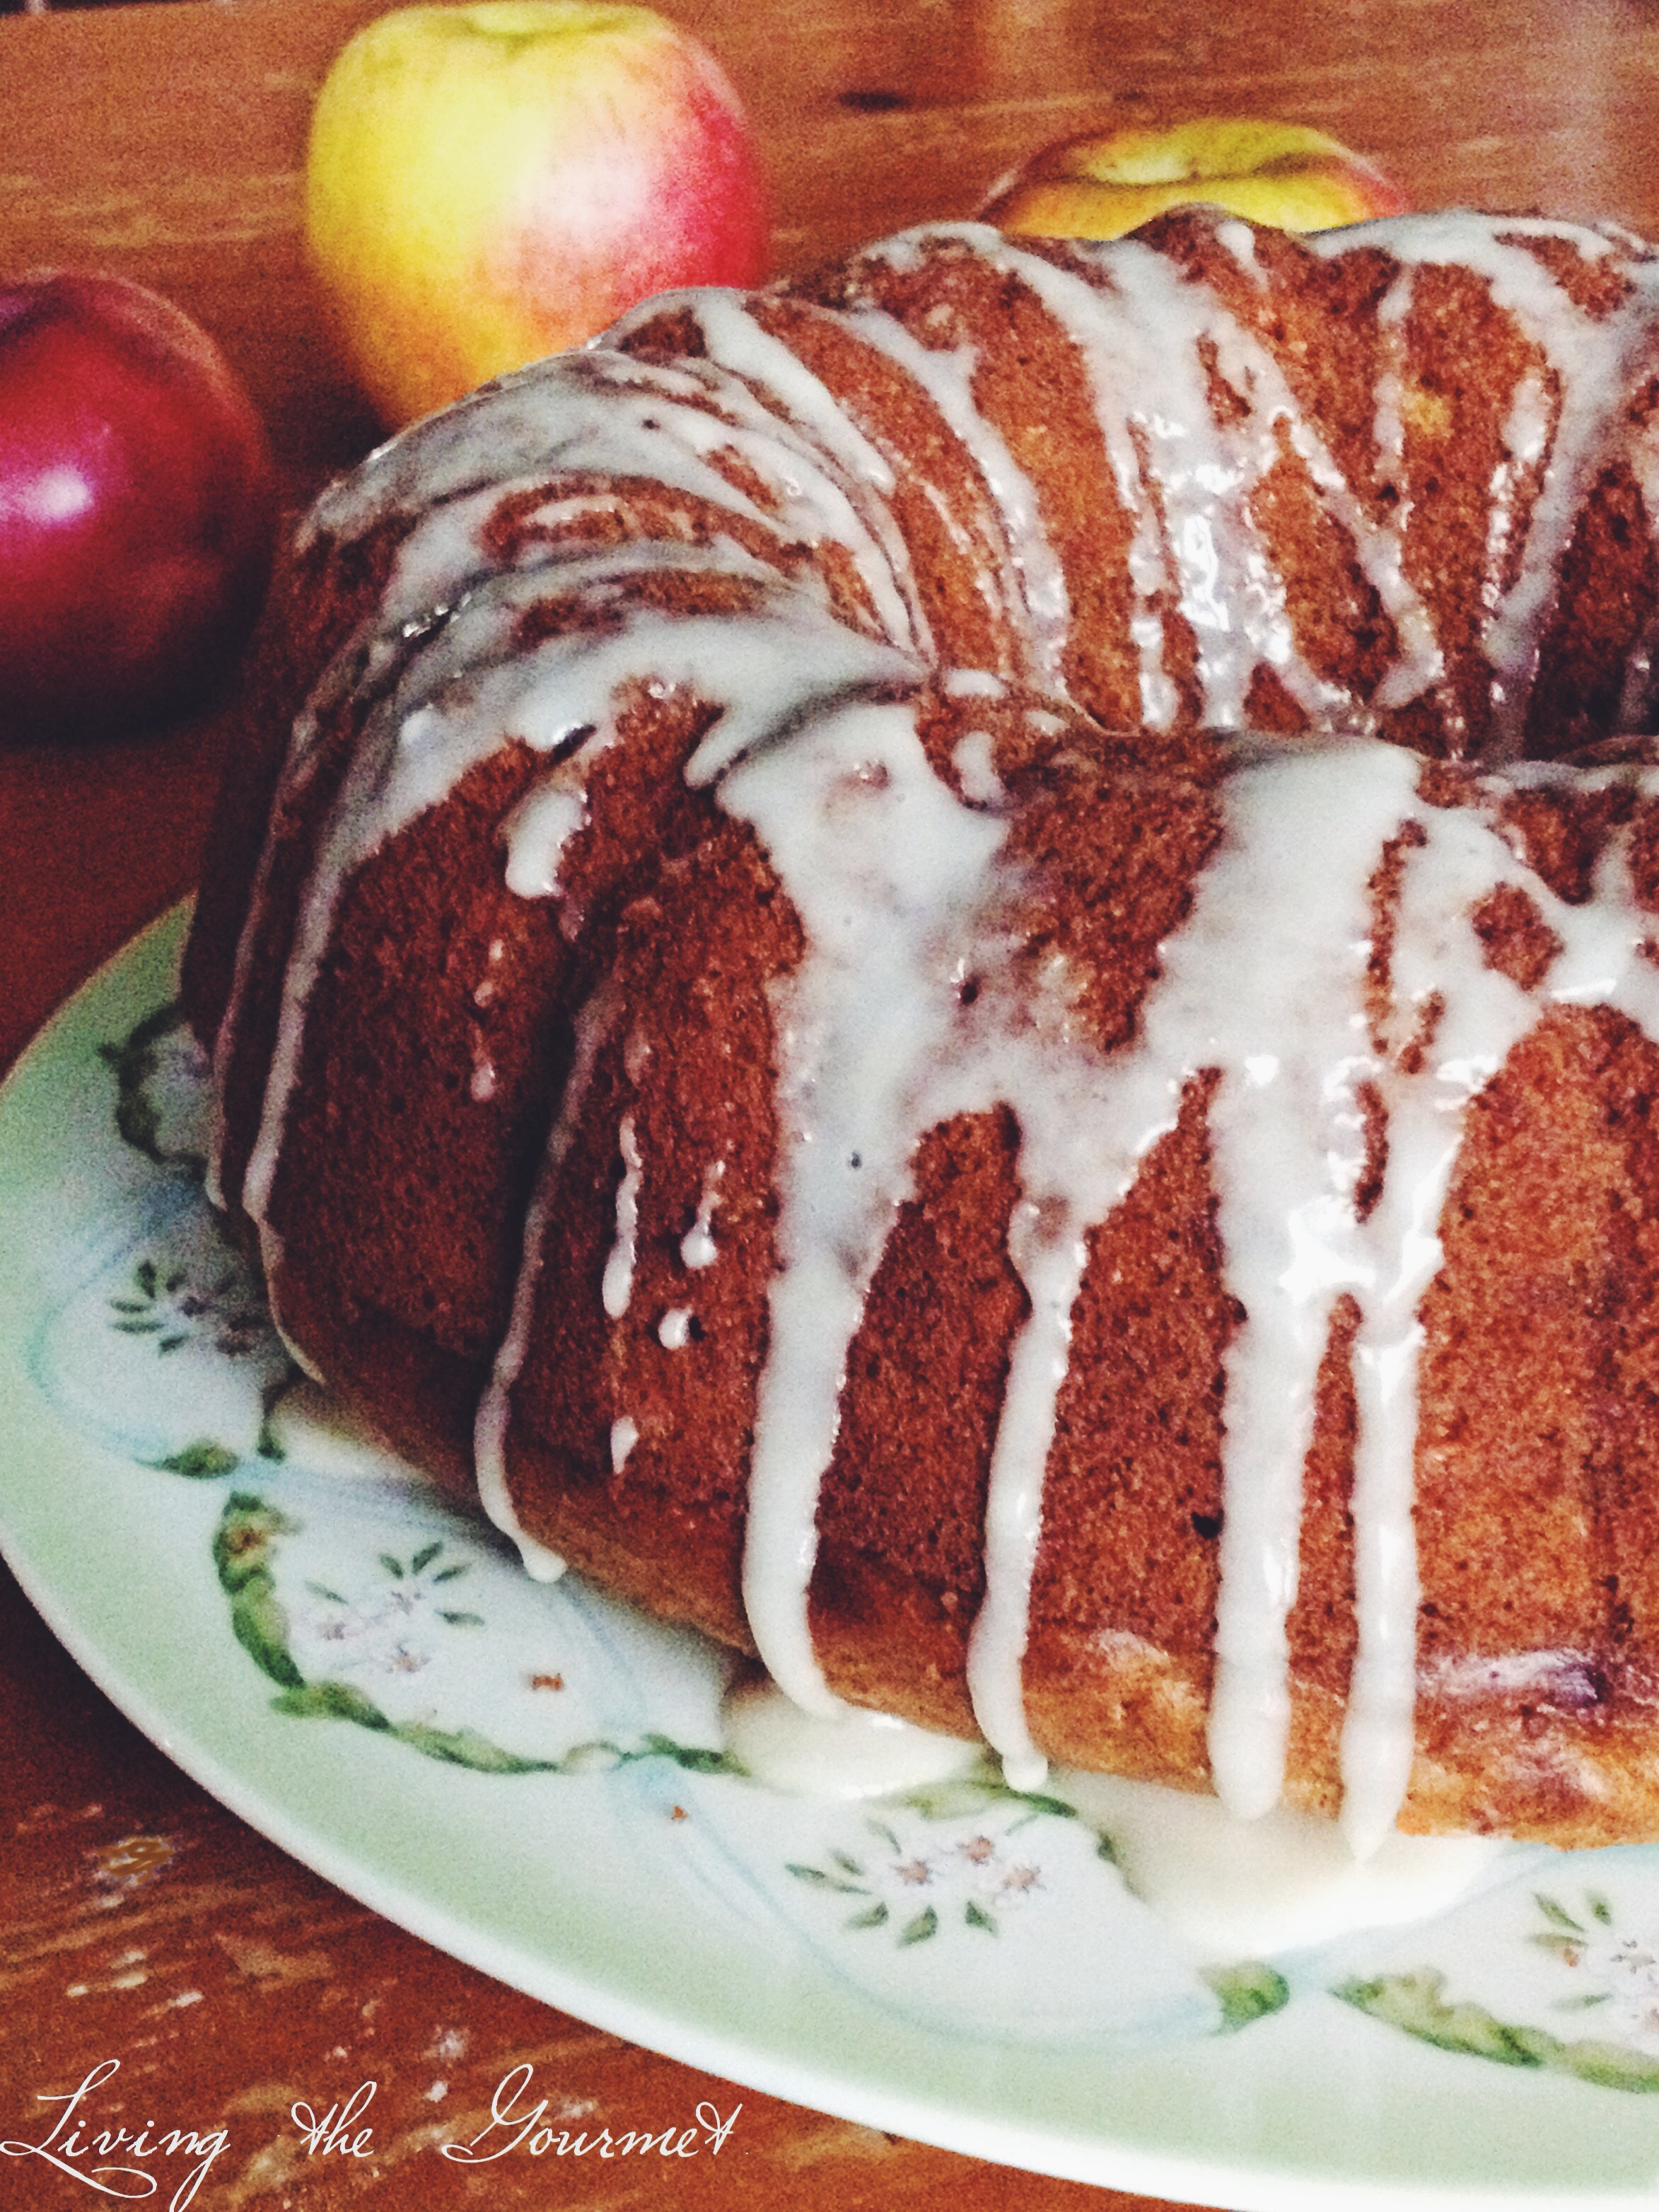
(1207, 1525)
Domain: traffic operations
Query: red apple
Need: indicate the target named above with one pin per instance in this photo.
(1285, 175)
(488, 184)
(138, 509)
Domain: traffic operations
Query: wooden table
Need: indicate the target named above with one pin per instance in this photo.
(140, 1920)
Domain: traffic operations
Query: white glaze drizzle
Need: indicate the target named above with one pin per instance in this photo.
(874, 1049)
(871, 848)
(594, 1024)
(697, 1247)
(1591, 361)
(467, 691)
(1266, 982)
(617, 1285)
(600, 413)
(608, 415)
(1236, 1889)
(975, 772)
(1285, 1012)
(849, 1754)
(1036, 584)
(736, 342)
(1143, 335)
(1483, 1015)
(541, 825)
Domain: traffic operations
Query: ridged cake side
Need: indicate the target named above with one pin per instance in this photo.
(938, 578)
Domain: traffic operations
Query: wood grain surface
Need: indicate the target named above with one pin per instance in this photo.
(140, 1920)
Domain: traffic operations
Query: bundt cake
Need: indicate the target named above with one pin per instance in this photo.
(959, 964)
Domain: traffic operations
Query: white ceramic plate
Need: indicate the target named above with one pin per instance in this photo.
(528, 1776)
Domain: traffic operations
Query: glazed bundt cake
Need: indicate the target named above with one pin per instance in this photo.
(956, 969)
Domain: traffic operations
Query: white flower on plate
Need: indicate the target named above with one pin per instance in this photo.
(392, 1629)
(976, 1881)
(1617, 1975)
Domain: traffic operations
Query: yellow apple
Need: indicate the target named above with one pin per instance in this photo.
(488, 184)
(1285, 174)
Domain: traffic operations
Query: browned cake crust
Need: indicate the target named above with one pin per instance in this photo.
(454, 1025)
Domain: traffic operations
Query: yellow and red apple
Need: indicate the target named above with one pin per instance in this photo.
(1285, 175)
(488, 184)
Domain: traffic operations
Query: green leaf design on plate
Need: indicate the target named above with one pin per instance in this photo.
(242, 1541)
(331, 1701)
(466, 1747)
(1609, 2065)
(918, 1930)
(1416, 2003)
(1567, 1949)
(340, 1701)
(1248, 1991)
(242, 1553)
(818, 1878)
(260, 1627)
(1556, 1914)
(975, 1792)
(134, 1061)
(243, 1544)
(201, 1459)
(693, 1758)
